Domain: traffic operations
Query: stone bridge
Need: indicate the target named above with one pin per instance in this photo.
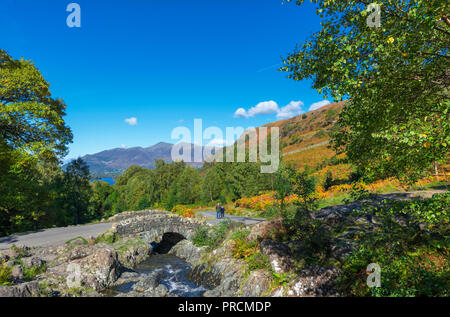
(154, 225)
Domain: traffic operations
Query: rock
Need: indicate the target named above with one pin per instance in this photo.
(100, 269)
(3, 258)
(159, 291)
(32, 261)
(22, 290)
(17, 272)
(10, 263)
(69, 252)
(314, 281)
(136, 251)
(264, 230)
(342, 248)
(187, 251)
(279, 254)
(126, 278)
(10, 254)
(256, 284)
(149, 282)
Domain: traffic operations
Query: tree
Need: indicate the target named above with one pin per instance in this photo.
(304, 188)
(211, 186)
(284, 184)
(77, 189)
(396, 122)
(329, 182)
(98, 206)
(33, 137)
(31, 121)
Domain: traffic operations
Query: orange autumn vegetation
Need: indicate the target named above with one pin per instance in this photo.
(266, 200)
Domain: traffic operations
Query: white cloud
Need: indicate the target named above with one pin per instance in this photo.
(318, 105)
(241, 113)
(291, 110)
(265, 107)
(123, 146)
(271, 107)
(131, 121)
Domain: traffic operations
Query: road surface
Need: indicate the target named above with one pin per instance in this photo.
(57, 236)
(213, 220)
(53, 236)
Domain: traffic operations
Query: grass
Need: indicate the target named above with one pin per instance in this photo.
(79, 239)
(333, 201)
(5, 273)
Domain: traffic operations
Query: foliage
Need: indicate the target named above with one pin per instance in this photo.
(434, 211)
(249, 252)
(77, 240)
(31, 121)
(358, 191)
(108, 238)
(184, 211)
(5, 274)
(30, 274)
(304, 188)
(212, 237)
(328, 180)
(314, 235)
(396, 76)
(413, 263)
(284, 183)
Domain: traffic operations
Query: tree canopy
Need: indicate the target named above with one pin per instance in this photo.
(396, 77)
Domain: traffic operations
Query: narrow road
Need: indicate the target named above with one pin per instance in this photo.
(57, 236)
(53, 236)
(214, 220)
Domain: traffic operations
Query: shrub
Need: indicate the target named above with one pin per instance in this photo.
(413, 262)
(5, 274)
(30, 274)
(184, 211)
(328, 183)
(212, 237)
(249, 252)
(107, 237)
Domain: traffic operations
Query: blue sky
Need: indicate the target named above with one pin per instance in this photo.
(164, 63)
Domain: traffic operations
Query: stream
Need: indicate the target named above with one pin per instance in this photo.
(173, 276)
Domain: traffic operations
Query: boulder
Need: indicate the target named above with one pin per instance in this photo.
(256, 284)
(149, 282)
(21, 290)
(100, 269)
(314, 281)
(264, 229)
(32, 261)
(279, 254)
(10, 254)
(17, 272)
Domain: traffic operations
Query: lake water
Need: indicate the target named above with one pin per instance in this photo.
(106, 179)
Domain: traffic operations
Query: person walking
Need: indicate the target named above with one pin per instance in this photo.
(222, 212)
(218, 211)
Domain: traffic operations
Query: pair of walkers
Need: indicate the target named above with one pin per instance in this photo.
(220, 210)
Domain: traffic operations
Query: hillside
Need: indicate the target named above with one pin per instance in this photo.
(119, 159)
(304, 140)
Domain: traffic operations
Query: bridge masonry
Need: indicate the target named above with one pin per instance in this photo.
(151, 225)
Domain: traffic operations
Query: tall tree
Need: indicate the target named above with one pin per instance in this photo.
(396, 76)
(33, 137)
(77, 189)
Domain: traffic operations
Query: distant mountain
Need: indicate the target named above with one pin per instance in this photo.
(117, 160)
